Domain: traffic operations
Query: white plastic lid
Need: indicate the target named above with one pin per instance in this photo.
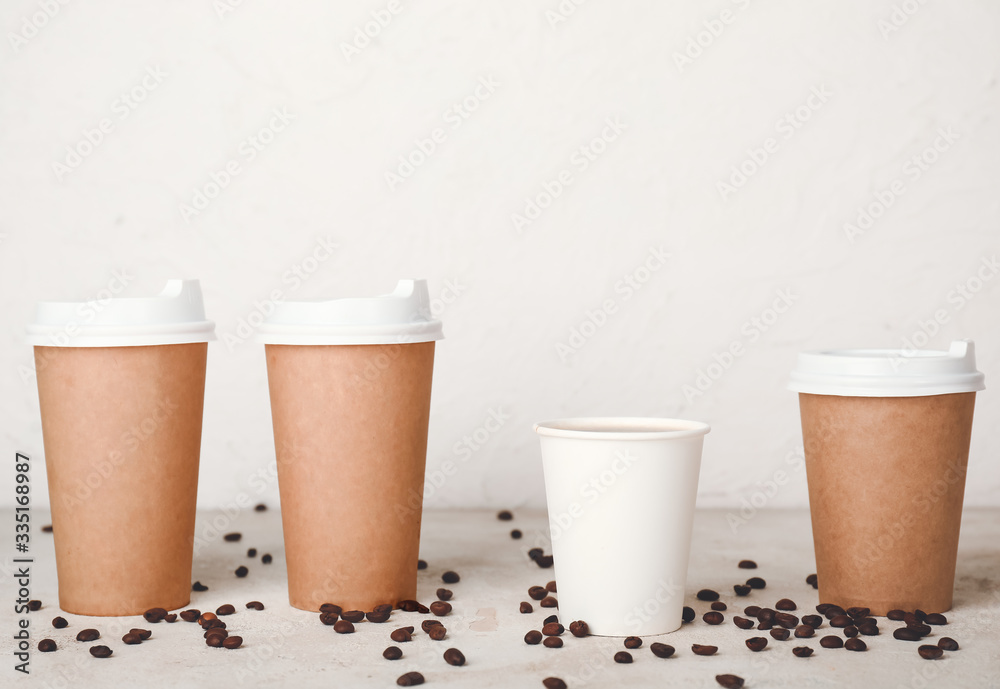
(404, 316)
(175, 316)
(888, 372)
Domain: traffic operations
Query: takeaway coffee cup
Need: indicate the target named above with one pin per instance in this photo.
(350, 386)
(621, 495)
(121, 386)
(886, 437)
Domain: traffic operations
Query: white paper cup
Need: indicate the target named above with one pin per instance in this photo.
(621, 495)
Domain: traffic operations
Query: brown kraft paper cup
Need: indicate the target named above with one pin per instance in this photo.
(122, 434)
(886, 482)
(350, 433)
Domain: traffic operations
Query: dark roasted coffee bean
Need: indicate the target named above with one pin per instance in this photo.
(812, 581)
(34, 605)
(537, 592)
(553, 629)
(764, 626)
(719, 606)
(455, 657)
(831, 642)
(834, 610)
(936, 619)
(544, 561)
(742, 622)
(88, 635)
(221, 633)
(928, 652)
(444, 594)
(252, 552)
(804, 631)
(551, 587)
(233, 537)
(255, 605)
(241, 571)
(100, 651)
(747, 564)
(260, 507)
(154, 615)
(920, 614)
(623, 657)
(450, 577)
(343, 627)
(756, 583)
(170, 617)
(855, 644)
(851, 631)
(226, 609)
(59, 622)
(421, 564)
(687, 614)
(729, 681)
(392, 653)
(382, 607)
(427, 624)
(786, 620)
(353, 616)
(549, 602)
(785, 604)
(535, 553)
(553, 683)
(190, 615)
(143, 633)
(214, 624)
(437, 632)
(378, 616)
(814, 621)
(708, 594)
(895, 615)
(410, 679)
(780, 633)
(552, 642)
(329, 618)
(533, 637)
(266, 558)
(700, 650)
(868, 629)
(525, 607)
(215, 640)
(516, 534)
(440, 608)
(751, 610)
(858, 613)
(47, 528)
(47, 645)
(579, 628)
(741, 590)
(840, 621)
(232, 642)
(504, 515)
(198, 586)
(802, 651)
(551, 618)
(713, 617)
(756, 643)
(330, 607)
(131, 639)
(632, 642)
(409, 605)
(402, 635)
(765, 615)
(947, 643)
(661, 650)
(422, 609)
(921, 629)
(822, 608)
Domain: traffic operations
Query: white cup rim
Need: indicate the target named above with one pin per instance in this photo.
(621, 428)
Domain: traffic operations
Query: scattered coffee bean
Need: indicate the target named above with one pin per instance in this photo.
(553, 629)
(34, 605)
(719, 606)
(330, 607)
(220, 633)
(537, 592)
(427, 624)
(409, 605)
(741, 590)
(747, 564)
(88, 635)
(170, 617)
(525, 607)
(687, 614)
(786, 620)
(266, 558)
(633, 642)
(450, 577)
(858, 613)
(516, 534)
(579, 629)
(812, 581)
(255, 605)
(780, 633)
(551, 586)
(59, 622)
(947, 643)
(47, 645)
(190, 615)
(895, 615)
(868, 629)
(410, 679)
(936, 619)
(232, 642)
(455, 657)
(440, 608)
(729, 681)
(533, 637)
(504, 515)
(804, 631)
(823, 607)
(233, 537)
(214, 624)
(851, 631)
(421, 564)
(343, 627)
(260, 507)
(352, 616)
(840, 621)
(700, 650)
(831, 642)
(920, 614)
(131, 639)
(814, 621)
(623, 657)
(552, 642)
(928, 652)
(437, 632)
(378, 616)
(444, 594)
(833, 610)
(855, 644)
(544, 561)
(742, 622)
(100, 651)
(765, 626)
(756, 583)
(708, 594)
(751, 610)
(214, 640)
(329, 618)
(535, 553)
(226, 609)
(241, 571)
(802, 651)
(402, 635)
(142, 633)
(47, 529)
(785, 604)
(392, 653)
(198, 586)
(661, 650)
(154, 615)
(553, 683)
(713, 617)
(549, 602)
(551, 618)
(756, 643)
(921, 629)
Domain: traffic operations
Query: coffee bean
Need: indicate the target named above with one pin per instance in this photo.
(47, 645)
(751, 610)
(198, 586)
(516, 534)
(840, 621)
(427, 624)
(633, 642)
(409, 605)
(551, 587)
(700, 650)
(330, 607)
(804, 631)
(553, 629)
(708, 594)
(742, 622)
(814, 621)
(525, 607)
(920, 614)
(756, 583)
(232, 642)
(455, 657)
(100, 651)
(444, 594)
(549, 602)
(410, 679)
(802, 651)
(834, 610)
(131, 639)
(241, 571)
(947, 643)
(59, 622)
(421, 564)
(226, 609)
(533, 637)
(579, 629)
(537, 592)
(437, 632)
(544, 561)
(255, 605)
(392, 653)
(553, 683)
(868, 629)
(353, 616)
(190, 615)
(343, 627)
(329, 618)
(928, 652)
(895, 615)
(719, 606)
(765, 626)
(747, 564)
(858, 613)
(88, 635)
(786, 620)
(154, 615)
(831, 642)
(729, 681)
(233, 537)
(450, 577)
(855, 644)
(714, 617)
(661, 650)
(687, 614)
(785, 604)
(260, 507)
(765, 615)
(402, 635)
(812, 581)
(936, 619)
(440, 608)
(215, 640)
(535, 553)
(143, 633)
(213, 624)
(378, 616)
(47, 528)
(252, 552)
(921, 629)
(741, 590)
(756, 643)
(551, 618)
(170, 617)
(623, 657)
(221, 633)
(504, 515)
(552, 642)
(266, 559)
(823, 607)
(780, 633)
(34, 605)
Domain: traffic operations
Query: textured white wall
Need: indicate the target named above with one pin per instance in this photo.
(639, 110)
